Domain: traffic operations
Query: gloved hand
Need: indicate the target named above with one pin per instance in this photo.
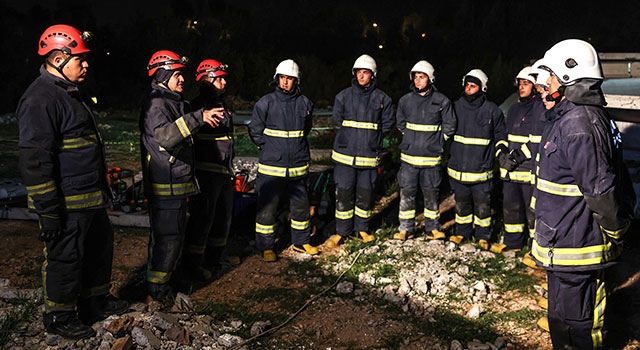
(50, 227)
(518, 156)
(506, 162)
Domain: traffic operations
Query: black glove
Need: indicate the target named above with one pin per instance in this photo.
(506, 162)
(518, 156)
(50, 227)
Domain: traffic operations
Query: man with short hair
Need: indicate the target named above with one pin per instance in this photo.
(62, 162)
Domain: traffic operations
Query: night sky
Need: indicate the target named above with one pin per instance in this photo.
(324, 37)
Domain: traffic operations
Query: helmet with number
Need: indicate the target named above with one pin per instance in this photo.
(525, 73)
(287, 67)
(365, 62)
(479, 75)
(571, 60)
(541, 75)
(167, 60)
(211, 68)
(65, 38)
(423, 67)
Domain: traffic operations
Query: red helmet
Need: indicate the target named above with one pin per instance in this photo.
(211, 68)
(65, 38)
(166, 59)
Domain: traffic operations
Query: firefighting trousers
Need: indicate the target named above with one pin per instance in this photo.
(428, 180)
(168, 224)
(518, 217)
(271, 190)
(354, 198)
(473, 208)
(210, 215)
(77, 265)
(577, 303)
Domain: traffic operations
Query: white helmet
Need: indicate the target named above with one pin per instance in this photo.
(571, 60)
(478, 74)
(525, 73)
(423, 67)
(541, 75)
(365, 62)
(287, 67)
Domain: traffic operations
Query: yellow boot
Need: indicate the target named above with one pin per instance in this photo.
(401, 236)
(483, 244)
(543, 323)
(333, 241)
(456, 239)
(435, 234)
(543, 303)
(366, 238)
(544, 286)
(306, 248)
(528, 260)
(269, 256)
(497, 248)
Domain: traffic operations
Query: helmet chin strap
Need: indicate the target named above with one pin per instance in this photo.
(61, 67)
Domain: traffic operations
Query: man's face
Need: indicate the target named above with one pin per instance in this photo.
(471, 88)
(286, 82)
(525, 88)
(420, 80)
(76, 68)
(364, 76)
(219, 83)
(176, 82)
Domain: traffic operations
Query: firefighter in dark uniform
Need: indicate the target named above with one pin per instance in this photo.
(426, 119)
(480, 137)
(62, 162)
(524, 127)
(584, 198)
(210, 211)
(362, 115)
(279, 126)
(166, 128)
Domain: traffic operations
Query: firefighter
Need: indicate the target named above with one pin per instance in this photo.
(280, 123)
(584, 197)
(62, 162)
(524, 125)
(166, 128)
(362, 116)
(480, 136)
(426, 119)
(210, 211)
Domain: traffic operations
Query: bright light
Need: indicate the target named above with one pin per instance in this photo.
(380, 46)
(424, 35)
(375, 25)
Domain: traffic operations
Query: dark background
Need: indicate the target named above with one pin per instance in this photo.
(323, 37)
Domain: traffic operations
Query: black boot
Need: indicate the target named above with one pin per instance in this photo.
(97, 308)
(66, 325)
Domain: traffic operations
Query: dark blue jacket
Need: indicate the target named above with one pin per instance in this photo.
(279, 126)
(166, 128)
(425, 122)
(61, 152)
(524, 123)
(584, 200)
(362, 117)
(214, 146)
(479, 136)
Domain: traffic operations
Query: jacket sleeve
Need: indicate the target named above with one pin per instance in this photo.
(449, 120)
(388, 119)
(500, 132)
(338, 111)
(401, 117)
(258, 121)
(170, 134)
(308, 123)
(38, 147)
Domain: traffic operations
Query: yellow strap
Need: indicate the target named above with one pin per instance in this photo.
(286, 134)
(360, 125)
(469, 177)
(471, 140)
(420, 161)
(424, 127)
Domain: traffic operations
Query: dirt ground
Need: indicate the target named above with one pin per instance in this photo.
(356, 322)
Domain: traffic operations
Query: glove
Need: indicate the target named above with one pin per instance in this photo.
(50, 227)
(506, 162)
(518, 156)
